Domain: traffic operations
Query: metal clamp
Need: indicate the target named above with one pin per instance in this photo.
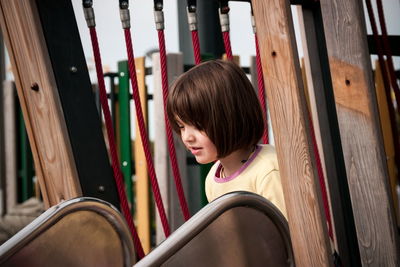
(123, 4)
(191, 5)
(224, 21)
(87, 3)
(158, 5)
(192, 19)
(159, 19)
(125, 18)
(89, 16)
(253, 24)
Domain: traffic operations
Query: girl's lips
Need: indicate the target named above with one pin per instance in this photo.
(195, 150)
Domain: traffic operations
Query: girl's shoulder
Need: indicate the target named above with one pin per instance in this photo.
(267, 149)
(266, 158)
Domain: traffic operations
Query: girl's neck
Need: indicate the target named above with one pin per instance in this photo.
(235, 160)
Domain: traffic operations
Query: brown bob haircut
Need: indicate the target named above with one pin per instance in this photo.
(217, 97)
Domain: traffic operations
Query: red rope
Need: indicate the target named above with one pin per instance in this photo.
(321, 178)
(227, 44)
(171, 146)
(386, 85)
(113, 149)
(143, 134)
(196, 47)
(261, 91)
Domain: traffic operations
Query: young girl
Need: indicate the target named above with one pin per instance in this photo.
(215, 109)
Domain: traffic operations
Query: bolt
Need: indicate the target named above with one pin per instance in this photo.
(35, 87)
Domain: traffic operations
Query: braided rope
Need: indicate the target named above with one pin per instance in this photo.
(171, 146)
(113, 149)
(227, 44)
(321, 178)
(261, 92)
(143, 134)
(196, 47)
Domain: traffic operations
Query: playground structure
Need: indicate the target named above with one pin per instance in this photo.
(345, 120)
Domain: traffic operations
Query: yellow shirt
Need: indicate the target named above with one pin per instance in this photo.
(260, 175)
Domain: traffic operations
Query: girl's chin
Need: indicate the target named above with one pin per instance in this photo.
(204, 161)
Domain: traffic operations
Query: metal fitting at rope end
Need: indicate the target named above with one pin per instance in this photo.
(87, 3)
(159, 19)
(253, 24)
(224, 21)
(123, 4)
(89, 16)
(125, 18)
(192, 20)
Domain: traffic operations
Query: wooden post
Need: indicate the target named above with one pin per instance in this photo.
(360, 133)
(39, 100)
(161, 155)
(2, 150)
(2, 154)
(142, 176)
(10, 136)
(54, 89)
(327, 132)
(387, 135)
(290, 122)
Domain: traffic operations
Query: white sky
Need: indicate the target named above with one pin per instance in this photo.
(144, 35)
(143, 31)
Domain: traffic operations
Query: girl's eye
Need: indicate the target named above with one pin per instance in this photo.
(180, 126)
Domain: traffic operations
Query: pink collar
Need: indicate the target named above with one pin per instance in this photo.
(217, 177)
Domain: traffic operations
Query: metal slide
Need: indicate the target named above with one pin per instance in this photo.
(237, 229)
(77, 232)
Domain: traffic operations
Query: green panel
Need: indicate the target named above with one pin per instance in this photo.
(125, 128)
(204, 169)
(206, 57)
(26, 171)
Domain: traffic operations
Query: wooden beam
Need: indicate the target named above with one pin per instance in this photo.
(328, 138)
(290, 122)
(142, 174)
(76, 97)
(360, 133)
(387, 135)
(40, 102)
(2, 129)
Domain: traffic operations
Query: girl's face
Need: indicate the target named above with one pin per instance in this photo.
(198, 143)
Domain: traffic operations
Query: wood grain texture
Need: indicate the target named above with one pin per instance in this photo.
(387, 135)
(43, 115)
(290, 123)
(2, 131)
(360, 133)
(142, 174)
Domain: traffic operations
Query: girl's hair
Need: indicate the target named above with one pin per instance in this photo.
(217, 97)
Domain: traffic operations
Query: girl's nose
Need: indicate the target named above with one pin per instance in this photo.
(187, 135)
